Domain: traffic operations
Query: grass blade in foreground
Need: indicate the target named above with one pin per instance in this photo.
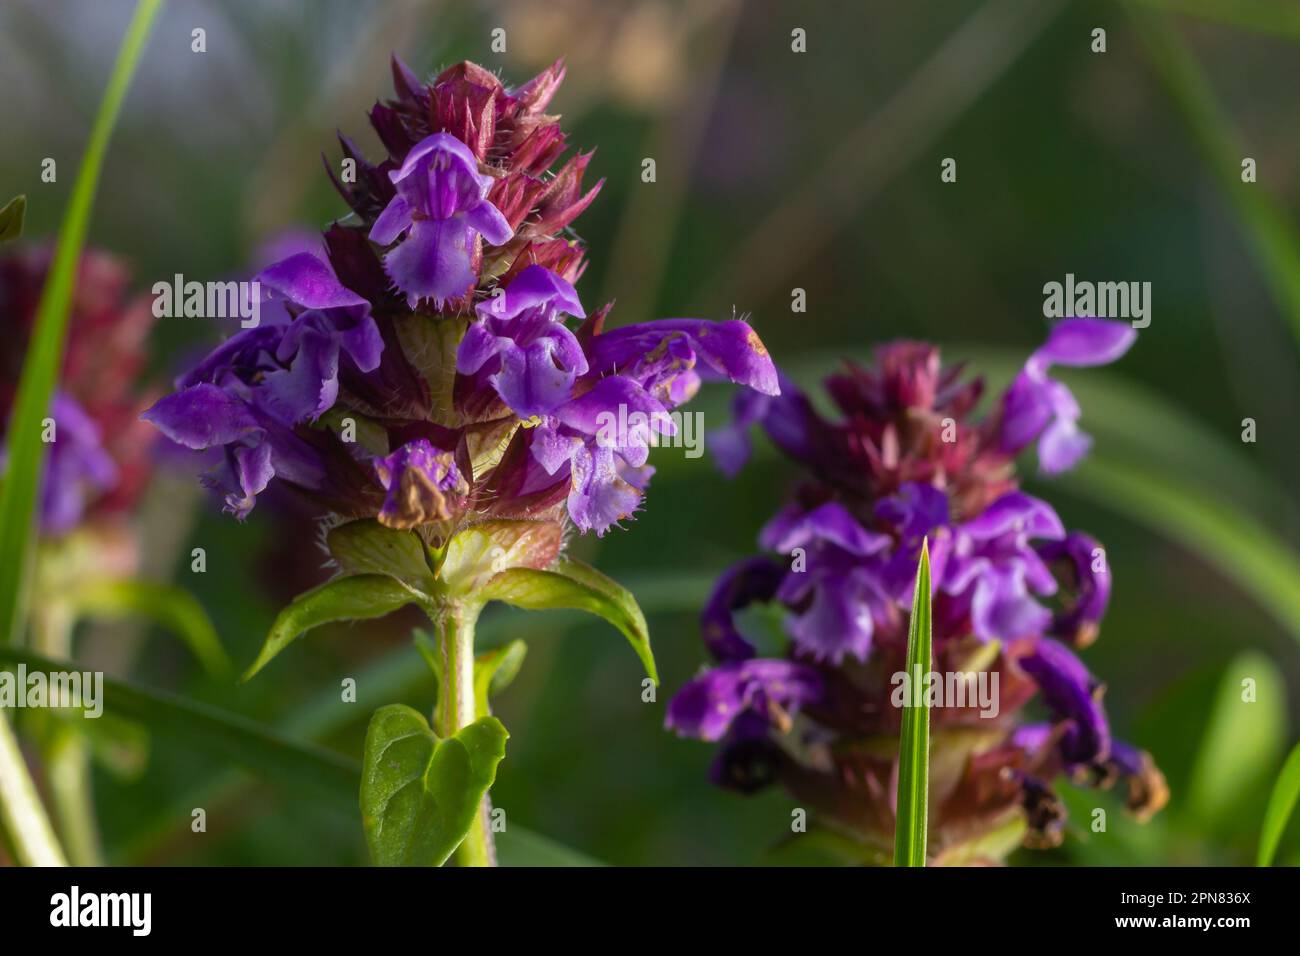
(914, 739)
(26, 451)
(1280, 805)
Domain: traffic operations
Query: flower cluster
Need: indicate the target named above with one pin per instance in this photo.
(1014, 594)
(98, 460)
(424, 372)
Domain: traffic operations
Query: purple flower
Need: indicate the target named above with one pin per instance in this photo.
(418, 480)
(707, 706)
(669, 357)
(78, 467)
(1037, 406)
(441, 207)
(1079, 620)
(837, 592)
(992, 567)
(247, 395)
(522, 346)
(1074, 696)
(752, 581)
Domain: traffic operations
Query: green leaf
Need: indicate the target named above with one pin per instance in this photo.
(368, 547)
(173, 608)
(577, 586)
(493, 672)
(232, 738)
(419, 794)
(1280, 805)
(20, 489)
(11, 218)
(355, 598)
(912, 817)
(1242, 743)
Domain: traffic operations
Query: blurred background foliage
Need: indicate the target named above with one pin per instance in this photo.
(775, 170)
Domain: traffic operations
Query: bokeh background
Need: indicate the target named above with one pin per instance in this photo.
(775, 170)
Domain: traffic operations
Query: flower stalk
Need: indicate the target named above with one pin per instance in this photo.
(457, 709)
(22, 817)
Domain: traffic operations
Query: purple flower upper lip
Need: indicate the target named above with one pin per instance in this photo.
(441, 205)
(1038, 406)
(78, 466)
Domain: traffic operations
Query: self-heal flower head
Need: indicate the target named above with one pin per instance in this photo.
(1012, 592)
(440, 209)
(437, 367)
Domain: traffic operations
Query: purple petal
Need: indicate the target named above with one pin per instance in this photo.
(708, 705)
(392, 222)
(731, 349)
(599, 498)
(202, 416)
(1084, 342)
(830, 522)
(1072, 694)
(308, 281)
(534, 286)
(487, 221)
(752, 581)
(432, 262)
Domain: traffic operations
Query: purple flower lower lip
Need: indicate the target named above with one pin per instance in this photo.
(441, 206)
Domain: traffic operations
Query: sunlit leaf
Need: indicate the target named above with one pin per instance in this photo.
(357, 598)
(1243, 740)
(368, 547)
(572, 584)
(1280, 805)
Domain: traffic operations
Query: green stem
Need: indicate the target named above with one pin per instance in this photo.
(21, 814)
(66, 753)
(457, 708)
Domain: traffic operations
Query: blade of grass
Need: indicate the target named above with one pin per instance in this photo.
(1280, 805)
(1273, 242)
(26, 451)
(912, 816)
(1264, 16)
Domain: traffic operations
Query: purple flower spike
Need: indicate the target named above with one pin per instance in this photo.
(1036, 406)
(528, 355)
(772, 689)
(419, 479)
(1073, 695)
(441, 207)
